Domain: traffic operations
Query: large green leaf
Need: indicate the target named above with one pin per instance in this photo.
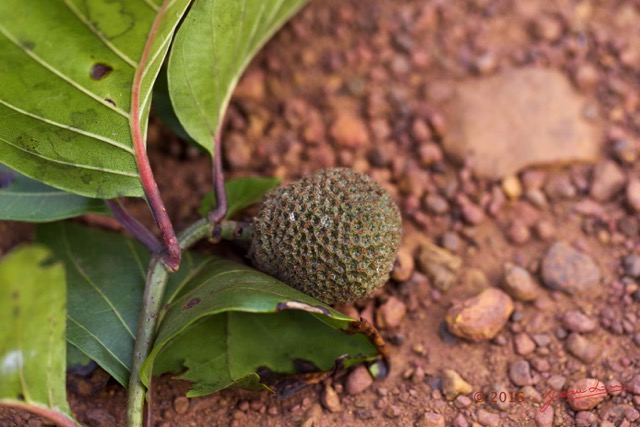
(241, 193)
(32, 343)
(229, 320)
(67, 70)
(212, 48)
(25, 199)
(105, 281)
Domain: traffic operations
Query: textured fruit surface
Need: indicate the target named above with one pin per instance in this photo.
(333, 235)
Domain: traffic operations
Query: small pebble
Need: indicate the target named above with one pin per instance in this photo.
(548, 28)
(520, 373)
(392, 412)
(431, 419)
(391, 313)
(518, 233)
(462, 401)
(436, 204)
(349, 131)
(472, 213)
(633, 194)
(586, 419)
(625, 151)
(330, 399)
(519, 283)
(536, 197)
(453, 384)
(586, 76)
(358, 380)
(545, 230)
(430, 154)
(566, 269)
(585, 403)
(582, 348)
(544, 418)
(460, 421)
(608, 179)
(512, 187)
(556, 382)
(181, 405)
(488, 419)
(631, 265)
(441, 266)
(451, 241)
(486, 63)
(524, 344)
(559, 186)
(540, 364)
(404, 266)
(576, 321)
(614, 387)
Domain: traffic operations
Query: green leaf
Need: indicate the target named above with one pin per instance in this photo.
(67, 70)
(229, 320)
(241, 193)
(25, 199)
(75, 357)
(164, 110)
(105, 282)
(211, 49)
(32, 343)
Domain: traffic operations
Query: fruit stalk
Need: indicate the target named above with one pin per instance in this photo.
(156, 283)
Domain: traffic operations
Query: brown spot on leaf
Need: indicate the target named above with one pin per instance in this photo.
(27, 44)
(100, 71)
(191, 303)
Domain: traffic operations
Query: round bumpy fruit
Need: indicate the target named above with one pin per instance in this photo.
(333, 235)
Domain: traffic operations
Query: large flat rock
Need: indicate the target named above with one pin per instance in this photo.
(504, 123)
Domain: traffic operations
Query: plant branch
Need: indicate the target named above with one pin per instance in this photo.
(171, 255)
(155, 286)
(55, 417)
(134, 227)
(218, 183)
(232, 230)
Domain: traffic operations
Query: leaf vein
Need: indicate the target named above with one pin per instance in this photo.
(101, 36)
(92, 335)
(59, 74)
(94, 286)
(69, 128)
(62, 162)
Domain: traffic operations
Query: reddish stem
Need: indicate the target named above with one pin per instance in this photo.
(218, 183)
(134, 227)
(172, 254)
(55, 417)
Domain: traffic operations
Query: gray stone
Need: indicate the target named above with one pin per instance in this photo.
(566, 269)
